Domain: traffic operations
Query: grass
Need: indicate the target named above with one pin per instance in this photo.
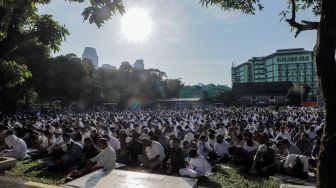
(30, 171)
(228, 178)
(231, 178)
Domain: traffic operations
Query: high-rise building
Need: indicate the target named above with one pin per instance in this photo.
(91, 54)
(294, 65)
(139, 64)
(108, 66)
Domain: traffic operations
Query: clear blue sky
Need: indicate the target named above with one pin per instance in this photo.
(187, 40)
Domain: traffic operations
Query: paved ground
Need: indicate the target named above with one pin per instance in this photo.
(128, 179)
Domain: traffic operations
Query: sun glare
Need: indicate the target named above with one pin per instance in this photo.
(136, 25)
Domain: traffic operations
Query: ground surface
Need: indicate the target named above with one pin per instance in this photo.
(221, 177)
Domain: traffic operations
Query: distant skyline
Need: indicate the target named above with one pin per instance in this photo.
(187, 40)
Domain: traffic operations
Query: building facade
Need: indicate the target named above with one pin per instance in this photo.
(91, 54)
(139, 64)
(293, 65)
(108, 66)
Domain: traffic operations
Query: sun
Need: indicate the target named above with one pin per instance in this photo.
(136, 25)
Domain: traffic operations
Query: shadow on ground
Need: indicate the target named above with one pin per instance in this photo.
(206, 182)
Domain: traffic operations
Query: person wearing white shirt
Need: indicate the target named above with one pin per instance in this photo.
(250, 145)
(221, 148)
(188, 137)
(203, 147)
(57, 140)
(153, 154)
(283, 134)
(113, 141)
(198, 166)
(105, 160)
(296, 165)
(251, 128)
(312, 133)
(18, 146)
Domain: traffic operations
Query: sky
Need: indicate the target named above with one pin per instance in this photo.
(187, 41)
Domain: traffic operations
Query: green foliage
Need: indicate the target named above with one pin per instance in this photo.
(24, 170)
(48, 31)
(298, 94)
(226, 97)
(251, 6)
(231, 178)
(100, 11)
(12, 74)
(246, 6)
(211, 90)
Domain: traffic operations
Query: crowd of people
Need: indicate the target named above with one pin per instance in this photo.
(258, 140)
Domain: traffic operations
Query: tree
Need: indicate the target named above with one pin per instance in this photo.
(298, 94)
(12, 77)
(226, 97)
(324, 52)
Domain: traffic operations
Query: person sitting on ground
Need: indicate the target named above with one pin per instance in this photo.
(250, 145)
(71, 153)
(283, 133)
(241, 157)
(89, 150)
(175, 157)
(265, 161)
(153, 153)
(296, 165)
(203, 147)
(72, 149)
(221, 149)
(130, 148)
(16, 147)
(105, 160)
(289, 148)
(198, 166)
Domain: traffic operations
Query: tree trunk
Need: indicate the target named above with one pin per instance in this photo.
(326, 72)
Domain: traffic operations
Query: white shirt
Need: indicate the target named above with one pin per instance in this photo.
(222, 148)
(154, 150)
(19, 147)
(115, 143)
(201, 146)
(58, 142)
(312, 134)
(106, 158)
(189, 137)
(290, 161)
(254, 147)
(251, 127)
(223, 131)
(200, 164)
(283, 135)
(45, 141)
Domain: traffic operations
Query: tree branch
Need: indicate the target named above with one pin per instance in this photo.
(304, 25)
